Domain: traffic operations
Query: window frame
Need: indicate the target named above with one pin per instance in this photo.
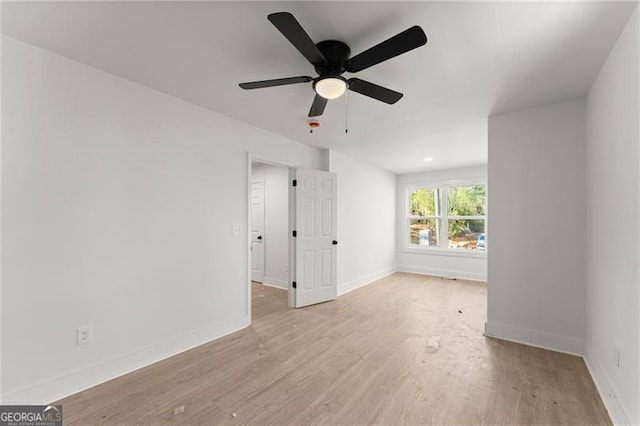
(444, 218)
(438, 217)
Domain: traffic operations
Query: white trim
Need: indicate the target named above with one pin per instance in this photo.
(573, 346)
(291, 300)
(607, 392)
(444, 273)
(445, 183)
(59, 387)
(249, 176)
(540, 339)
(439, 251)
(275, 283)
(363, 281)
(260, 158)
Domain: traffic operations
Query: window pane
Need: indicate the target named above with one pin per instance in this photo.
(466, 200)
(467, 234)
(424, 202)
(424, 232)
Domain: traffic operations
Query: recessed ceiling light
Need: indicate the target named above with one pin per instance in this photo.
(428, 159)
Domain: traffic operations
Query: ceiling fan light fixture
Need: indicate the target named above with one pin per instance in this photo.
(330, 87)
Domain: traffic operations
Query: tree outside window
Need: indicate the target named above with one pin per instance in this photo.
(424, 217)
(466, 216)
(461, 208)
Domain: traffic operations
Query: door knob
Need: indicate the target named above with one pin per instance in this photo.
(335, 242)
(259, 237)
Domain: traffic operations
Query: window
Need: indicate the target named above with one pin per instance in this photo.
(424, 219)
(455, 214)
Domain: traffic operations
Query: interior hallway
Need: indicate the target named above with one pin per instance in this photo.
(407, 349)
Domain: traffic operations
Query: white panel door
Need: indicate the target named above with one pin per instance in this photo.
(257, 230)
(315, 241)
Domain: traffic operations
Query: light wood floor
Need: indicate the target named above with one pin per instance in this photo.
(407, 349)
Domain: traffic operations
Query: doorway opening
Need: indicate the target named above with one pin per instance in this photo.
(269, 230)
(291, 219)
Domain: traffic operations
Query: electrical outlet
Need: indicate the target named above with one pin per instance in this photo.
(616, 356)
(85, 334)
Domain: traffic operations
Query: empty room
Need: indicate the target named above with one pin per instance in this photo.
(305, 212)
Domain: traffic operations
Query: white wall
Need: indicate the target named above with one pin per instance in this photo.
(118, 206)
(536, 264)
(441, 263)
(366, 222)
(613, 218)
(276, 223)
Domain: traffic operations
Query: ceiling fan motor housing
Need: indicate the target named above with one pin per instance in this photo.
(336, 53)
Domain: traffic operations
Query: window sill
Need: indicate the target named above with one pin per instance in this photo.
(446, 252)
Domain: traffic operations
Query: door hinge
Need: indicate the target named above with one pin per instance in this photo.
(295, 233)
(295, 182)
(294, 285)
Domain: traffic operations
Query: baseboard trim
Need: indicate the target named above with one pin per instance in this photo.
(76, 381)
(609, 396)
(276, 283)
(367, 279)
(554, 342)
(445, 273)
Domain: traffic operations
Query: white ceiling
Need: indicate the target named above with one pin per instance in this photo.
(481, 58)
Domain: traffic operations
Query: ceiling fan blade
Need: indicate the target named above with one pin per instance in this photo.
(397, 45)
(374, 91)
(275, 82)
(293, 31)
(317, 107)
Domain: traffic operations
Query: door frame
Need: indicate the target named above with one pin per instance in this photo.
(251, 158)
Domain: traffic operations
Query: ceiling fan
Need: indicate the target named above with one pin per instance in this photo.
(330, 58)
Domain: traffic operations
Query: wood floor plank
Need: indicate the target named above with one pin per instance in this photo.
(407, 349)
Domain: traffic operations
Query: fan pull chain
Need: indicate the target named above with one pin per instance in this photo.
(346, 112)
